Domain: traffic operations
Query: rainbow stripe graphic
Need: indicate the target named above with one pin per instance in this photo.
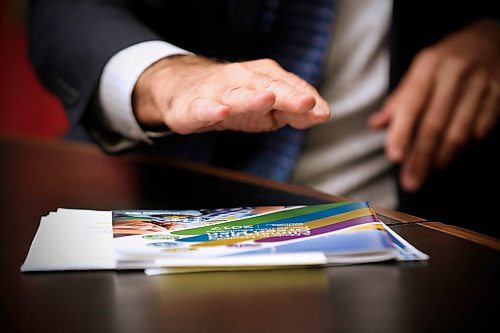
(290, 224)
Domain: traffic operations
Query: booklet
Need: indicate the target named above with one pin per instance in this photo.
(176, 241)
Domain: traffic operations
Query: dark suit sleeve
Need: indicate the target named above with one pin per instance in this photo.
(71, 41)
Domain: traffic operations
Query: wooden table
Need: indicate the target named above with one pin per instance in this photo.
(456, 290)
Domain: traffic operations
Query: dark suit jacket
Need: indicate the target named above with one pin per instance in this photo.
(71, 41)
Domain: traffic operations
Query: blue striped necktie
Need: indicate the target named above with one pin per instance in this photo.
(300, 31)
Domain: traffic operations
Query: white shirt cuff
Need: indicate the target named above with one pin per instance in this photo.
(117, 83)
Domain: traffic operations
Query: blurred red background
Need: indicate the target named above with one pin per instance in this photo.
(26, 108)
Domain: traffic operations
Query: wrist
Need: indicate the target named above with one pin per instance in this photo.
(159, 85)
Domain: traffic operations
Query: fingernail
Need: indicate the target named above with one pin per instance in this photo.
(262, 94)
(306, 102)
(395, 154)
(220, 108)
(411, 183)
(317, 111)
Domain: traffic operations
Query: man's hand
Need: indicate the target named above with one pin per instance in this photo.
(449, 98)
(191, 94)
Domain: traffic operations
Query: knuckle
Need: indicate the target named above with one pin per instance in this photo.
(456, 138)
(195, 108)
(304, 85)
(479, 80)
(431, 128)
(422, 69)
(272, 83)
(293, 79)
(231, 91)
(410, 98)
(268, 62)
(459, 64)
(427, 55)
(177, 127)
(417, 82)
(233, 68)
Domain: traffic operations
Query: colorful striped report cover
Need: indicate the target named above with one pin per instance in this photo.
(175, 241)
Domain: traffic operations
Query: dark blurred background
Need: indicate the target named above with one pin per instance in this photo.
(26, 108)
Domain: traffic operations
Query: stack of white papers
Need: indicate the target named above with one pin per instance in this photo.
(179, 241)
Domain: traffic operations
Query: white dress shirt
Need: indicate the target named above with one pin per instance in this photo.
(117, 83)
(344, 156)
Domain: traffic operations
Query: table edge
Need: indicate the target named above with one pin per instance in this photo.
(463, 233)
(90, 148)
